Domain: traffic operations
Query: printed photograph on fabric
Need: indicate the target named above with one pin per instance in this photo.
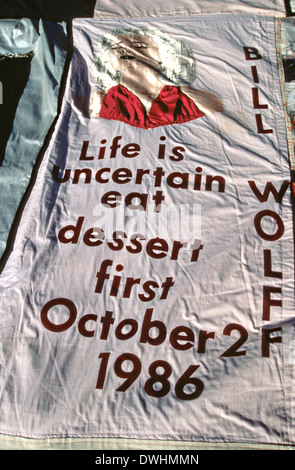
(144, 79)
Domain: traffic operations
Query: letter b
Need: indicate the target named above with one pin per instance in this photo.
(251, 53)
(147, 325)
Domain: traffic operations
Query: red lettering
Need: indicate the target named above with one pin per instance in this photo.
(83, 154)
(72, 311)
(268, 302)
(256, 103)
(260, 128)
(280, 225)
(148, 324)
(268, 272)
(269, 188)
(251, 53)
(267, 339)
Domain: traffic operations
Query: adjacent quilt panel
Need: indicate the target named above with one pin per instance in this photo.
(32, 61)
(132, 8)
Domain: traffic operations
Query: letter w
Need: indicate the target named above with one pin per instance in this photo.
(269, 188)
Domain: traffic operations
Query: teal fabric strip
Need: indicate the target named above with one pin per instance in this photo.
(36, 110)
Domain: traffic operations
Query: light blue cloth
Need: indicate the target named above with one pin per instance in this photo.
(36, 110)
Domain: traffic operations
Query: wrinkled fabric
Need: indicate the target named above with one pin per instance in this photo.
(150, 291)
(36, 109)
(117, 8)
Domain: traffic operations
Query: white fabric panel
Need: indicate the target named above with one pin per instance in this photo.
(133, 8)
(137, 338)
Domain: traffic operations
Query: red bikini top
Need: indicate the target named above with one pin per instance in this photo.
(171, 106)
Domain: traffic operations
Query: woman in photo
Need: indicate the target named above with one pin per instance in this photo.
(144, 78)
